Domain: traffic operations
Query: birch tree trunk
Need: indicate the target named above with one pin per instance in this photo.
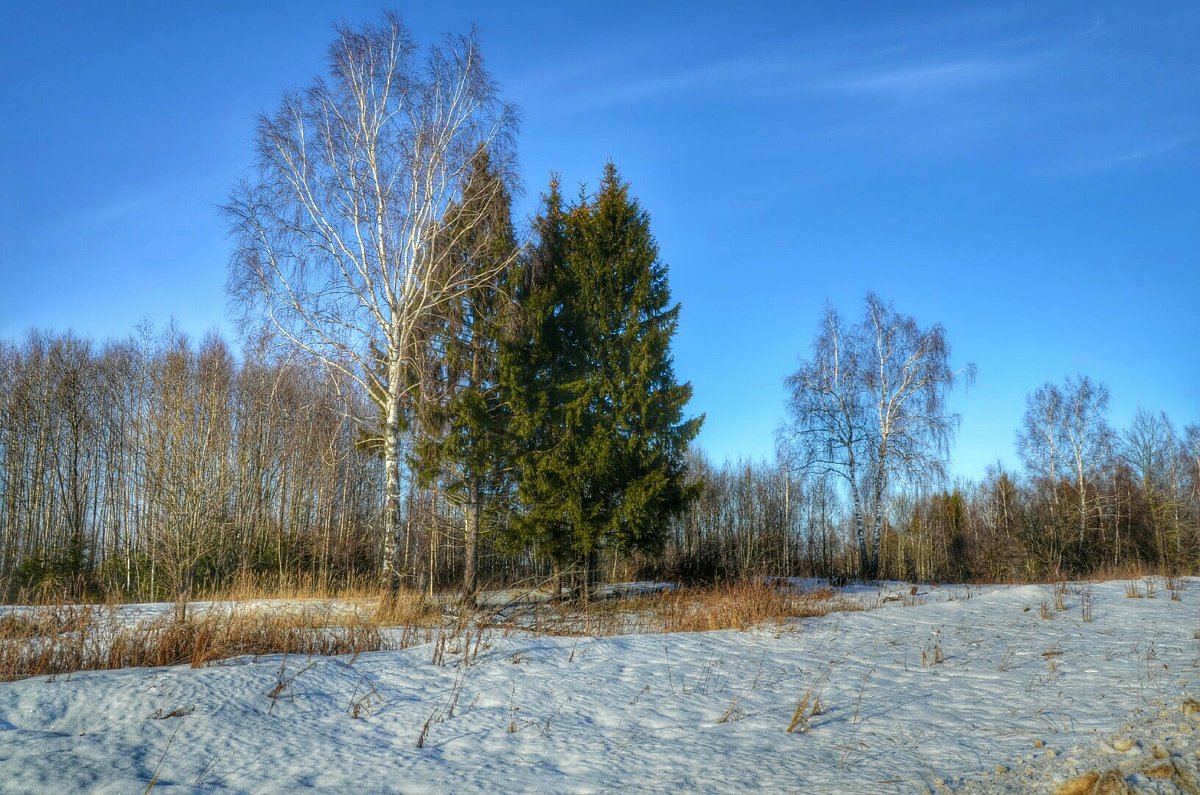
(471, 519)
(392, 527)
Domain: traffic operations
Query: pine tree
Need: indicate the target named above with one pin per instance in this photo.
(598, 411)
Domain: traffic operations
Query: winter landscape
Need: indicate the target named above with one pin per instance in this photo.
(949, 689)
(671, 397)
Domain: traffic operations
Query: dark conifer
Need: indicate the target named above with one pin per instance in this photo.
(539, 358)
(597, 410)
(463, 435)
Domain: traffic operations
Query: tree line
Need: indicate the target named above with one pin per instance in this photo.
(138, 466)
(1136, 507)
(859, 488)
(134, 466)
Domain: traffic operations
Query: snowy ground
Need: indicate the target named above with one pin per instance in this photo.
(663, 713)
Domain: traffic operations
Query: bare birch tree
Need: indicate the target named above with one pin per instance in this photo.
(1064, 438)
(1039, 443)
(1151, 448)
(338, 232)
(870, 407)
(1088, 440)
(827, 431)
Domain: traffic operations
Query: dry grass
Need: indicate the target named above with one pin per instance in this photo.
(407, 609)
(1087, 603)
(1079, 785)
(932, 653)
(45, 622)
(858, 701)
(1051, 656)
(733, 714)
(244, 588)
(1133, 590)
(1060, 597)
(252, 587)
(56, 640)
(808, 706)
(740, 606)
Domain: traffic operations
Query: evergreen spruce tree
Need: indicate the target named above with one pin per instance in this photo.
(598, 413)
(538, 359)
(463, 435)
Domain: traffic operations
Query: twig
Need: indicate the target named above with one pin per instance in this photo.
(154, 775)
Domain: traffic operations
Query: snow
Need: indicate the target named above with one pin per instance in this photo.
(697, 712)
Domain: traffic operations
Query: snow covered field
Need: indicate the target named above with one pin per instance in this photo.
(926, 693)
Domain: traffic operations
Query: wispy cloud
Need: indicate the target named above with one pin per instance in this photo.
(629, 81)
(928, 88)
(821, 68)
(1150, 150)
(1110, 156)
(742, 73)
(913, 78)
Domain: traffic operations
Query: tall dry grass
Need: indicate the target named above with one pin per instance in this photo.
(56, 639)
(294, 588)
(739, 605)
(50, 640)
(742, 606)
(243, 588)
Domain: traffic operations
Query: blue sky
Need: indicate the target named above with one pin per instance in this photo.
(1026, 174)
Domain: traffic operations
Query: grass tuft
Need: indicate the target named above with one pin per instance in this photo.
(807, 706)
(931, 652)
(1060, 597)
(1087, 603)
(1079, 785)
(733, 714)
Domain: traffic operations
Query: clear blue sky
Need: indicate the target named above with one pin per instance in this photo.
(1027, 174)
